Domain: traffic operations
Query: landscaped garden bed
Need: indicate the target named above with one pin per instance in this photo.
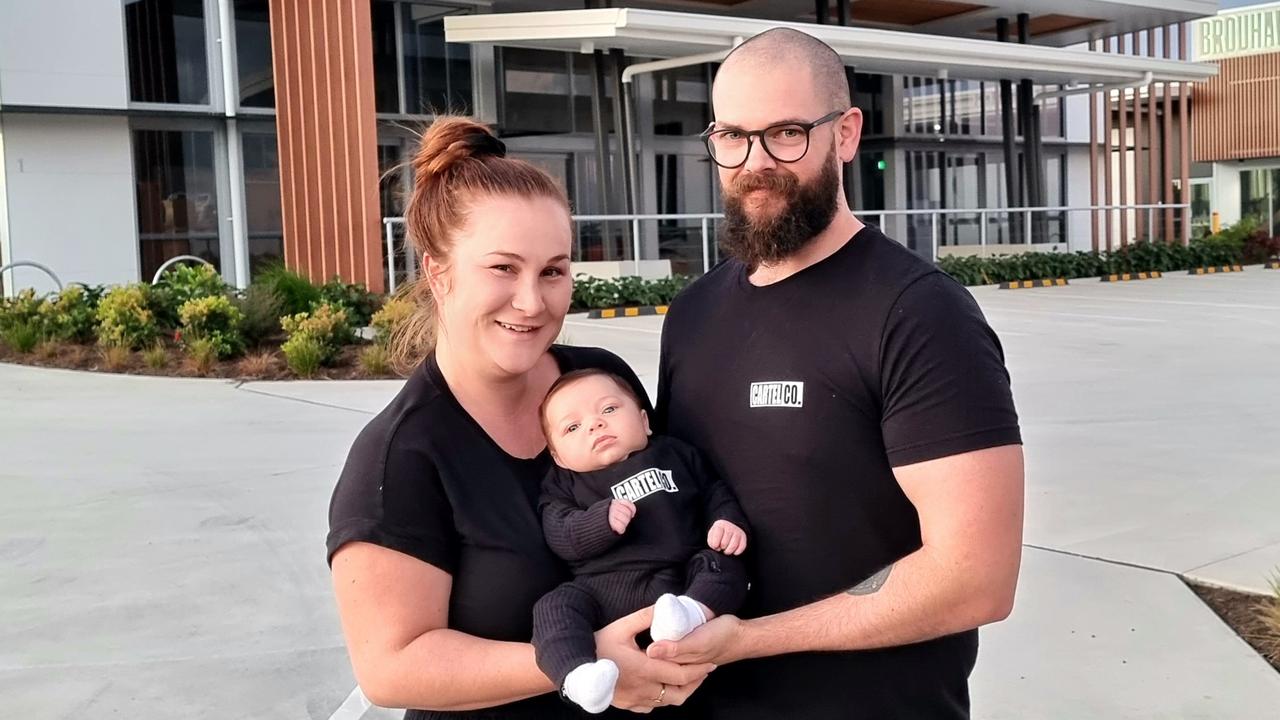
(1255, 618)
(190, 324)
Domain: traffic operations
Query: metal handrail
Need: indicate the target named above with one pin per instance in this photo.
(175, 261)
(880, 215)
(36, 265)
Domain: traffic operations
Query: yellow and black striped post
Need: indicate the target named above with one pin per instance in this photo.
(627, 312)
(1023, 284)
(1125, 277)
(1215, 269)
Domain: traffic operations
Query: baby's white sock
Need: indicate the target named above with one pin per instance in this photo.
(591, 685)
(675, 616)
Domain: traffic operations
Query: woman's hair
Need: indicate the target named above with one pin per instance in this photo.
(458, 161)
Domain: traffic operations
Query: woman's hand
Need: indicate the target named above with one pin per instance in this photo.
(643, 682)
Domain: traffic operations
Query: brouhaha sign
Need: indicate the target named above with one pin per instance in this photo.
(1246, 32)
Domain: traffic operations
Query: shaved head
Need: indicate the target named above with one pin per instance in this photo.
(785, 47)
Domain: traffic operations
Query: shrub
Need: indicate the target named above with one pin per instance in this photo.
(156, 357)
(592, 292)
(71, 315)
(260, 310)
(257, 365)
(304, 355)
(203, 353)
(1260, 248)
(326, 326)
(48, 349)
(22, 336)
(296, 292)
(375, 360)
(386, 321)
(114, 357)
(181, 284)
(213, 321)
(1269, 608)
(126, 318)
(24, 309)
(359, 303)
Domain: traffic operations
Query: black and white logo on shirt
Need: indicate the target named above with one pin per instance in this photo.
(778, 393)
(643, 484)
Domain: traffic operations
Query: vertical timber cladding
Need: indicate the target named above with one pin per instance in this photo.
(1243, 98)
(322, 55)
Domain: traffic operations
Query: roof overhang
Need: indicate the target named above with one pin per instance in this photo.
(663, 34)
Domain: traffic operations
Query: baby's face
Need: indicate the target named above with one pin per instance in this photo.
(592, 424)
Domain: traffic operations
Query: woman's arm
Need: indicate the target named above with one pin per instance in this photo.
(395, 611)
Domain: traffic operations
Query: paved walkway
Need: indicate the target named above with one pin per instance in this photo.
(161, 540)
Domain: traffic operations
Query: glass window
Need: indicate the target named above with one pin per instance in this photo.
(583, 78)
(991, 124)
(437, 74)
(1201, 219)
(536, 92)
(262, 199)
(253, 54)
(177, 196)
(684, 186)
(386, 85)
(872, 166)
(168, 62)
(964, 190)
(1255, 194)
(1050, 114)
(966, 107)
(868, 96)
(681, 101)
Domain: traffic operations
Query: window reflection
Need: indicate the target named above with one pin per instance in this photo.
(177, 196)
(253, 54)
(168, 62)
(262, 199)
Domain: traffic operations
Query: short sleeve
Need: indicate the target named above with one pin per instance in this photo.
(944, 384)
(390, 494)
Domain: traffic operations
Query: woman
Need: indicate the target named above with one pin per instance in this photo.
(434, 542)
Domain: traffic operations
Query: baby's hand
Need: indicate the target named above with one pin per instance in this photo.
(727, 538)
(620, 514)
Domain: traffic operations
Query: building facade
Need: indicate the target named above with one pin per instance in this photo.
(1237, 174)
(247, 132)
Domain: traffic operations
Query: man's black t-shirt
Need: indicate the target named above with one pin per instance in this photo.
(805, 394)
(423, 478)
(677, 498)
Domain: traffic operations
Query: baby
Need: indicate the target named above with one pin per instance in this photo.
(641, 521)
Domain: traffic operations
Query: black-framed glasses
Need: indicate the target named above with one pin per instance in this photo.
(785, 142)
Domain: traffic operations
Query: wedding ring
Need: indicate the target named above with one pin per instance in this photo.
(658, 700)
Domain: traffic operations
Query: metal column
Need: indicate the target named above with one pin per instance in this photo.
(1013, 188)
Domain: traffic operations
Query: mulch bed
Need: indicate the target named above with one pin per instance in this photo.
(1243, 612)
(264, 364)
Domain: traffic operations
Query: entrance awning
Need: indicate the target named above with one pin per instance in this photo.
(663, 34)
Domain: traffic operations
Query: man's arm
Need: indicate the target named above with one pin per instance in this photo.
(964, 575)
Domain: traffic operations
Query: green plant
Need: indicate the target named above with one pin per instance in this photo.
(390, 318)
(297, 293)
(1269, 610)
(22, 336)
(375, 360)
(359, 303)
(126, 318)
(179, 285)
(304, 355)
(260, 310)
(214, 321)
(203, 353)
(326, 326)
(24, 309)
(156, 357)
(71, 315)
(591, 292)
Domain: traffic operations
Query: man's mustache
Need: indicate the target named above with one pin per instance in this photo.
(749, 182)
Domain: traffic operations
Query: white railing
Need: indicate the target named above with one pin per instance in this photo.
(1111, 213)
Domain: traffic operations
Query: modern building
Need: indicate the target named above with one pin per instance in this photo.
(246, 131)
(1237, 174)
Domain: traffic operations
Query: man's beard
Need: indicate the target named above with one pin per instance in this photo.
(809, 210)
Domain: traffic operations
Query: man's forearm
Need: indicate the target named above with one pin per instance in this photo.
(920, 598)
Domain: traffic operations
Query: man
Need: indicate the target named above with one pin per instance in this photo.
(857, 402)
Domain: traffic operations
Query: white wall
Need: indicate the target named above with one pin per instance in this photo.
(63, 53)
(1079, 236)
(69, 180)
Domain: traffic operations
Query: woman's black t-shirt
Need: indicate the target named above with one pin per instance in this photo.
(424, 479)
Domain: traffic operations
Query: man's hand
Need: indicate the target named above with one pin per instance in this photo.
(727, 538)
(715, 642)
(620, 514)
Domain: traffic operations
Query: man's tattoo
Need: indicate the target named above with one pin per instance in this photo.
(871, 584)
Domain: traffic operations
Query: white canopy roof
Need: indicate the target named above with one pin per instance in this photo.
(663, 34)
